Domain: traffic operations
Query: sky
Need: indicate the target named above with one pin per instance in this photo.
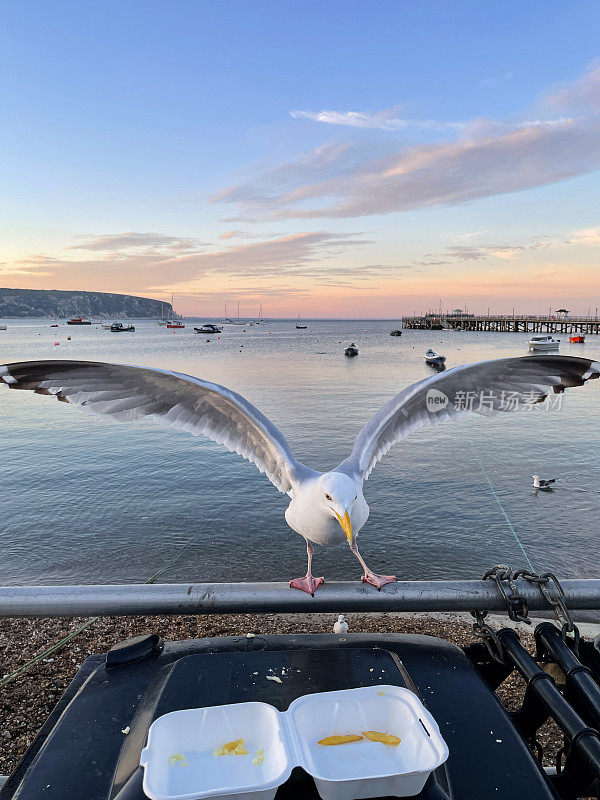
(337, 159)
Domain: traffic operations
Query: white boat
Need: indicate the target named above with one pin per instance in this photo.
(431, 357)
(238, 321)
(208, 327)
(3, 328)
(543, 342)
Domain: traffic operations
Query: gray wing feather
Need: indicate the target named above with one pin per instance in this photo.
(505, 384)
(175, 400)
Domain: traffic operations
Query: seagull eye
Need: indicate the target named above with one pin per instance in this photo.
(327, 497)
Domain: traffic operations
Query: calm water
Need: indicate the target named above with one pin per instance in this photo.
(86, 499)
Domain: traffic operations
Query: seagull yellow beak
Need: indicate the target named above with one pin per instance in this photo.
(346, 525)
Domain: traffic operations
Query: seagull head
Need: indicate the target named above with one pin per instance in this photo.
(336, 495)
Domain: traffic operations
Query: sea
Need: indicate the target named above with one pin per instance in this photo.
(85, 499)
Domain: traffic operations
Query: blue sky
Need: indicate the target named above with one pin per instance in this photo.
(323, 156)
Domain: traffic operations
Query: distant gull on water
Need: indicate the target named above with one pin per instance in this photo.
(541, 483)
(325, 508)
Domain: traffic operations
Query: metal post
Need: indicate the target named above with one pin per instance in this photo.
(230, 598)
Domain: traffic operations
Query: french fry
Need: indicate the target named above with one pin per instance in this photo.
(384, 738)
(333, 740)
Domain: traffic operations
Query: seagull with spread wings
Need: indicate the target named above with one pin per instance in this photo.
(325, 508)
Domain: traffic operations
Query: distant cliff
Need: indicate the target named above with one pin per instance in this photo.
(93, 305)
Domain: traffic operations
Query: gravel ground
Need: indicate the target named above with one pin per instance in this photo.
(27, 700)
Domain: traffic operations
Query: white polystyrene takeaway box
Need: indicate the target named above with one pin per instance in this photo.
(366, 769)
(196, 733)
(361, 769)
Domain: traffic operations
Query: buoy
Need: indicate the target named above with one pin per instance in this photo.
(68, 338)
(208, 340)
(56, 342)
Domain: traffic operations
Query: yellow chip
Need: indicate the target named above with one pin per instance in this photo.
(384, 738)
(230, 747)
(331, 740)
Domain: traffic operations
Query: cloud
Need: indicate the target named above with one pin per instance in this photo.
(584, 92)
(439, 174)
(587, 236)
(134, 239)
(386, 120)
(304, 255)
(487, 158)
(237, 234)
(455, 253)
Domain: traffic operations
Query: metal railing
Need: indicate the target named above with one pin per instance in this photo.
(231, 598)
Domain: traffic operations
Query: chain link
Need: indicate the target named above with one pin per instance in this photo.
(556, 599)
(488, 636)
(517, 604)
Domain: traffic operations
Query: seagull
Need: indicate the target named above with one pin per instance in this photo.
(540, 483)
(340, 626)
(325, 508)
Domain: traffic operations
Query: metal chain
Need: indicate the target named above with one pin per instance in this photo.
(568, 629)
(517, 604)
(488, 636)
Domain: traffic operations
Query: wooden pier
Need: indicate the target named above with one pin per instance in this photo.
(505, 324)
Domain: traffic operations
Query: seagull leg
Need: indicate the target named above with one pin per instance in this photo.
(370, 577)
(308, 584)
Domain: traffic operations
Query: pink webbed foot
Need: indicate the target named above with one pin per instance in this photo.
(377, 580)
(307, 584)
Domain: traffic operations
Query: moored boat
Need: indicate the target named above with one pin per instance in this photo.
(396, 332)
(351, 350)
(118, 327)
(175, 323)
(431, 357)
(78, 321)
(208, 328)
(577, 339)
(543, 342)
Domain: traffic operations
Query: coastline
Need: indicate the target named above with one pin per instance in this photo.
(27, 700)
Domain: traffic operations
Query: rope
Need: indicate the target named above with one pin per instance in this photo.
(53, 648)
(504, 512)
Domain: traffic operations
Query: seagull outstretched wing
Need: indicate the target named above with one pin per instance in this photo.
(172, 399)
(488, 387)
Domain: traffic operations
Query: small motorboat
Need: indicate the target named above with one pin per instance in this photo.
(3, 328)
(578, 339)
(352, 350)
(545, 342)
(396, 332)
(175, 324)
(78, 321)
(118, 327)
(431, 357)
(208, 328)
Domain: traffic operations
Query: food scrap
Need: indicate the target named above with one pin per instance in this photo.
(258, 758)
(235, 748)
(384, 738)
(333, 740)
(177, 758)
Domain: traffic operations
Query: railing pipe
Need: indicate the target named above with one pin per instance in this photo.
(229, 598)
